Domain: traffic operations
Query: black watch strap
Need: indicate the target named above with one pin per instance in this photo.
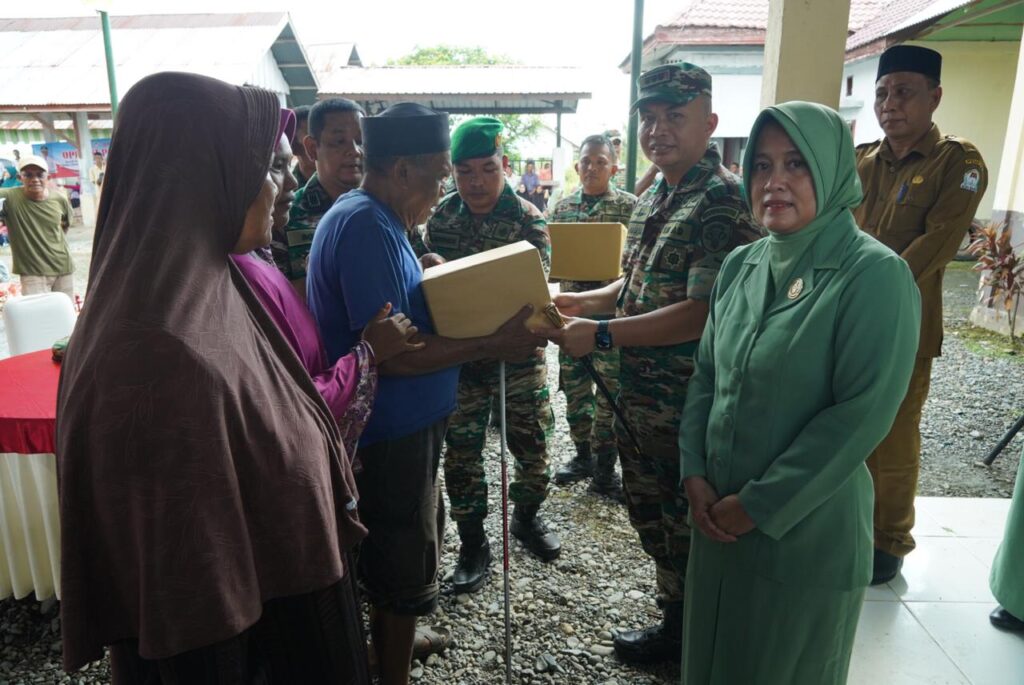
(603, 336)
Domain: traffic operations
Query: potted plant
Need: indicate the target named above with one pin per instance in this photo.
(1002, 269)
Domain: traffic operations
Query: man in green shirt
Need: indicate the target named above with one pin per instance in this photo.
(484, 214)
(589, 415)
(37, 220)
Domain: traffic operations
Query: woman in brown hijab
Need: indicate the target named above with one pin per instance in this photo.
(205, 497)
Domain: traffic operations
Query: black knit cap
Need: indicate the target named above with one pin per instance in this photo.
(910, 58)
(405, 129)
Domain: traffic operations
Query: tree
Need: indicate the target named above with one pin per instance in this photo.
(518, 128)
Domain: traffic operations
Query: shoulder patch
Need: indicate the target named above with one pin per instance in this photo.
(971, 180)
(715, 237)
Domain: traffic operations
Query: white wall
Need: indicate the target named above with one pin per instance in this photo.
(977, 87)
(268, 75)
(859, 107)
(735, 83)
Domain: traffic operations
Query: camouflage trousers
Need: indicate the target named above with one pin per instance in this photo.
(529, 422)
(656, 504)
(588, 413)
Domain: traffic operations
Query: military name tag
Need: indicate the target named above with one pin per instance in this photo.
(795, 289)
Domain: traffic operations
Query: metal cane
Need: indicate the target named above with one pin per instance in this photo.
(504, 522)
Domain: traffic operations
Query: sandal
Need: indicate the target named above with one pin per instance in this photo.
(430, 640)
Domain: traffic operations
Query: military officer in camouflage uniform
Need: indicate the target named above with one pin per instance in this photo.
(335, 144)
(679, 234)
(483, 214)
(921, 190)
(588, 413)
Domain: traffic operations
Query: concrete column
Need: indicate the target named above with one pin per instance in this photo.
(804, 51)
(1008, 204)
(87, 197)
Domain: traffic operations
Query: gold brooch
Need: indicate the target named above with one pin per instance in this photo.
(795, 289)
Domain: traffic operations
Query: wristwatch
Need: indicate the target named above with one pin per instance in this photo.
(603, 336)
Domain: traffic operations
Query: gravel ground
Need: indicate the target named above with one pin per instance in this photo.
(565, 613)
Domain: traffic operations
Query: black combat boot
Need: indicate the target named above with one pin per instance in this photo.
(605, 481)
(534, 533)
(474, 562)
(581, 466)
(660, 643)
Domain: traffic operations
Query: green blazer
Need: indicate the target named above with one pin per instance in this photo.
(791, 395)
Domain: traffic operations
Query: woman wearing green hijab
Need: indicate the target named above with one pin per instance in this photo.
(805, 358)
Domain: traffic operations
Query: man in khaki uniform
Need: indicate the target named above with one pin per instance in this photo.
(921, 190)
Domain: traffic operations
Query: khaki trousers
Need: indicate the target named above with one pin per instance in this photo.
(35, 285)
(895, 465)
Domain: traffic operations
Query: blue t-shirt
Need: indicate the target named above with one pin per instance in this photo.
(361, 259)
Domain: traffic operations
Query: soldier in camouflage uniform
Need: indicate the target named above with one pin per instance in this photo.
(335, 145)
(483, 214)
(588, 412)
(679, 234)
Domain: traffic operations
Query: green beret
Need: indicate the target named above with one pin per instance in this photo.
(477, 137)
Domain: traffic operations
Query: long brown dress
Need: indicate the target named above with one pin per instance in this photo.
(205, 497)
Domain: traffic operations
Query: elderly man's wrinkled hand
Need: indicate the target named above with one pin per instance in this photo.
(431, 259)
(514, 342)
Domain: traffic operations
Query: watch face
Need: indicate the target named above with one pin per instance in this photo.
(603, 340)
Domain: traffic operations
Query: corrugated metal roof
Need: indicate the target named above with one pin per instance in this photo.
(50, 63)
(464, 88)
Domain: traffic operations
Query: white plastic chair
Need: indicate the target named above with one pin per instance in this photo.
(35, 322)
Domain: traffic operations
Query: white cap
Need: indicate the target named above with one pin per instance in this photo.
(33, 160)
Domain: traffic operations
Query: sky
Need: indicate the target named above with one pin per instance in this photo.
(593, 34)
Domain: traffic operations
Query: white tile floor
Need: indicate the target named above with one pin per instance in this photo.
(930, 625)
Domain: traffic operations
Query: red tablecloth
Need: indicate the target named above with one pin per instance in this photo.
(28, 403)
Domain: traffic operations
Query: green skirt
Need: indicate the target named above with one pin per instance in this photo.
(742, 628)
(1007, 579)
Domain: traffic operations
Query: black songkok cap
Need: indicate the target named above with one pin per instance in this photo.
(910, 58)
(405, 129)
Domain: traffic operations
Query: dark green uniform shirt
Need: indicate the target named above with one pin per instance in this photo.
(453, 232)
(678, 238)
(291, 245)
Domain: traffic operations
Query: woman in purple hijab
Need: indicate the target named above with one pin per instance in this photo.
(350, 385)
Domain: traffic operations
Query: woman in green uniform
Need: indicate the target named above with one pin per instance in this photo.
(1007, 579)
(806, 356)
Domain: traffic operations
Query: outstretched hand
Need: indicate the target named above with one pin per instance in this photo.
(576, 338)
